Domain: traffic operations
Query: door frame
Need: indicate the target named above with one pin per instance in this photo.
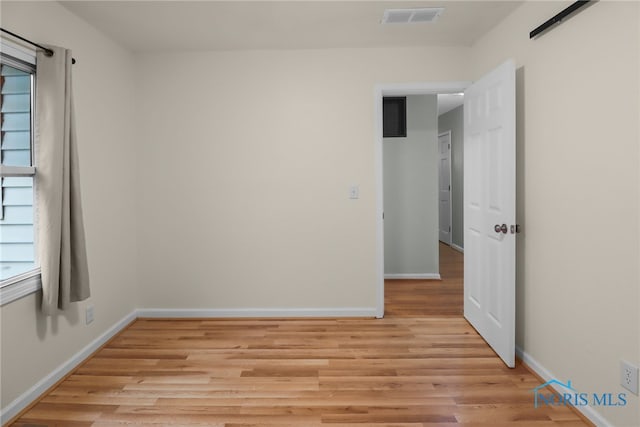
(395, 89)
(448, 132)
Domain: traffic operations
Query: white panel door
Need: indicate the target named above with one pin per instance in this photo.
(444, 186)
(489, 209)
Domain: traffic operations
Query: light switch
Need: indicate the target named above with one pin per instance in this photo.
(354, 192)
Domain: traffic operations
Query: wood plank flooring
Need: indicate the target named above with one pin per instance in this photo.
(411, 369)
(427, 298)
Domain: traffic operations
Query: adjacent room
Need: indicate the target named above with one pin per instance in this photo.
(303, 213)
(423, 211)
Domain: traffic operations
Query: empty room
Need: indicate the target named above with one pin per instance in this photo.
(261, 213)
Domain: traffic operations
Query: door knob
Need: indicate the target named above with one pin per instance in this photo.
(501, 228)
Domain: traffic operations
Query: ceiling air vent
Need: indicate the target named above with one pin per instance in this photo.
(411, 16)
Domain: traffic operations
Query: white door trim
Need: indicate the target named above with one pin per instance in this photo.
(395, 89)
(448, 132)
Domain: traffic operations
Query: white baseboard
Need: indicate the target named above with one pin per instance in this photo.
(29, 396)
(457, 248)
(588, 411)
(257, 312)
(419, 276)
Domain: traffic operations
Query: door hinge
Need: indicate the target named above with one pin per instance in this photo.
(449, 229)
(449, 188)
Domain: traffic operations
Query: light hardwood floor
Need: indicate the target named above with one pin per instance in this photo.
(428, 298)
(422, 365)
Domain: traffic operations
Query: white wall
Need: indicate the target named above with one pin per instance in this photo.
(453, 121)
(411, 192)
(247, 158)
(34, 345)
(578, 110)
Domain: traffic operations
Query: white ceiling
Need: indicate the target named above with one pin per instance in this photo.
(153, 26)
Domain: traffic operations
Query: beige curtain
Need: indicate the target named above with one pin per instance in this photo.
(61, 242)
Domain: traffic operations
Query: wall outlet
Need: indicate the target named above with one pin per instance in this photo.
(88, 314)
(629, 376)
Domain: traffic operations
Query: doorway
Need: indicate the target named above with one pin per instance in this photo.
(489, 202)
(397, 90)
(444, 187)
(418, 224)
(451, 121)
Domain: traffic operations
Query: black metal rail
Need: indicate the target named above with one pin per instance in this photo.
(559, 17)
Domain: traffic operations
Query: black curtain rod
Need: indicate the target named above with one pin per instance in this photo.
(47, 51)
(560, 16)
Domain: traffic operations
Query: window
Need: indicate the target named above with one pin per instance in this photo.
(394, 117)
(18, 260)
